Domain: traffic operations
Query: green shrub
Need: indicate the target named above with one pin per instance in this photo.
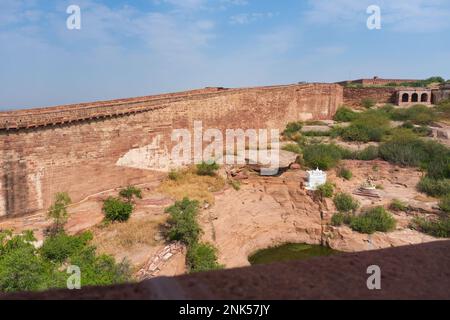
(322, 156)
(117, 210)
(444, 203)
(376, 219)
(326, 190)
(368, 103)
(439, 165)
(397, 205)
(292, 147)
(339, 219)
(369, 126)
(404, 150)
(25, 268)
(345, 173)
(345, 202)
(434, 187)
(292, 129)
(345, 114)
(129, 192)
(417, 114)
(437, 228)
(201, 258)
(62, 246)
(183, 224)
(207, 169)
(369, 153)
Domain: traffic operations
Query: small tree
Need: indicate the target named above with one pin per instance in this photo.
(129, 192)
(58, 212)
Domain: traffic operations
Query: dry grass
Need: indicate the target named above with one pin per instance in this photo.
(118, 237)
(189, 184)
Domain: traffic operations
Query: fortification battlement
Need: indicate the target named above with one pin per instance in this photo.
(49, 116)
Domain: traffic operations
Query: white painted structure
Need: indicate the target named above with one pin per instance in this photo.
(316, 178)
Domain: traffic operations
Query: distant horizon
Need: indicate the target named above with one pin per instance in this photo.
(127, 48)
(190, 89)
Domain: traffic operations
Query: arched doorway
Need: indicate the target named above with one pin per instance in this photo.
(424, 97)
(415, 97)
(405, 97)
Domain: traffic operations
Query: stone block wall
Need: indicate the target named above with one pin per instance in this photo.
(354, 96)
(76, 149)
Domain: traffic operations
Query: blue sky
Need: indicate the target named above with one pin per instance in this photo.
(132, 48)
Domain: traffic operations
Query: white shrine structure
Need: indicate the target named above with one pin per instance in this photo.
(316, 178)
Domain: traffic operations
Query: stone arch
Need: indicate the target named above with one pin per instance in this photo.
(405, 97)
(424, 97)
(415, 97)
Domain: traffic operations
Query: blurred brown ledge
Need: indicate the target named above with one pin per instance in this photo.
(410, 272)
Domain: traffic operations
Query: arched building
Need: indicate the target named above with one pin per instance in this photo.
(408, 96)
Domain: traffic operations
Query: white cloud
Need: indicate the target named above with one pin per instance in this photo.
(246, 18)
(398, 15)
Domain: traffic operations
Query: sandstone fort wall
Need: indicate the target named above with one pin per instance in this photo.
(354, 96)
(88, 148)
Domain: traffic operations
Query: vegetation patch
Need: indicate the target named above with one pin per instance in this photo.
(191, 185)
(322, 156)
(184, 227)
(25, 268)
(116, 209)
(439, 228)
(345, 173)
(345, 202)
(375, 219)
(207, 169)
(398, 205)
(345, 114)
(326, 190)
(292, 147)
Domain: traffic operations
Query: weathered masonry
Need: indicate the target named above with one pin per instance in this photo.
(79, 148)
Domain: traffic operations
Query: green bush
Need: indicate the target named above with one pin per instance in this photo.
(322, 156)
(129, 192)
(404, 150)
(437, 228)
(369, 126)
(292, 129)
(444, 203)
(398, 205)
(326, 190)
(375, 219)
(202, 257)
(61, 246)
(339, 219)
(417, 114)
(183, 224)
(369, 153)
(345, 173)
(25, 268)
(345, 114)
(207, 169)
(368, 103)
(117, 210)
(345, 202)
(434, 187)
(293, 147)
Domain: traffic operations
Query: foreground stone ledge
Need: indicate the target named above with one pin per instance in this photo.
(410, 272)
